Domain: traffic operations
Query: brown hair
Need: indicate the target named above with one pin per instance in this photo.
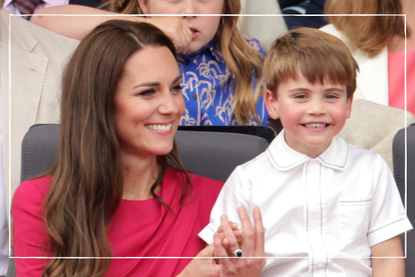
(87, 181)
(318, 55)
(242, 60)
(369, 33)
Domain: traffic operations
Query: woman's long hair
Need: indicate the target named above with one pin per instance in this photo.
(87, 182)
(368, 33)
(243, 61)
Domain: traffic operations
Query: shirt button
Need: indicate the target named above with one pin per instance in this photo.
(195, 96)
(186, 62)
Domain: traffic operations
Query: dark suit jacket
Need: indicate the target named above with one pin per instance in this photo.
(89, 3)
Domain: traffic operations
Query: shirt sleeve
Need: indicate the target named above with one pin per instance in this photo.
(30, 237)
(387, 214)
(234, 194)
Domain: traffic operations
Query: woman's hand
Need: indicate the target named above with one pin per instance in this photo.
(175, 29)
(202, 267)
(252, 261)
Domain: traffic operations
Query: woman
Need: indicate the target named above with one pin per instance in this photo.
(378, 45)
(119, 188)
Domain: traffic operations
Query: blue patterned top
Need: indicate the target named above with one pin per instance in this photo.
(208, 89)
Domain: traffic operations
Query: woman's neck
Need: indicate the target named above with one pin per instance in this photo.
(397, 43)
(139, 175)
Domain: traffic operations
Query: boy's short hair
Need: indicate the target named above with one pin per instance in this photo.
(319, 56)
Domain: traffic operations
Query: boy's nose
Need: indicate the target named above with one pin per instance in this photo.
(316, 107)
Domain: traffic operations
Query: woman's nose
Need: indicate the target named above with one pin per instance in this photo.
(169, 105)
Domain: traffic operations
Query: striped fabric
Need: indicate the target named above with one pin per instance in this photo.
(27, 7)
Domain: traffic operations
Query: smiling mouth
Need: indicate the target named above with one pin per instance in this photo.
(315, 125)
(156, 127)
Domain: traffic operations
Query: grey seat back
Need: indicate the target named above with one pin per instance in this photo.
(209, 154)
(399, 167)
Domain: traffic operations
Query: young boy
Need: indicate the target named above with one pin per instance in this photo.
(328, 208)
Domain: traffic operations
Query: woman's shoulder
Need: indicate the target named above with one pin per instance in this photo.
(203, 184)
(33, 189)
(204, 181)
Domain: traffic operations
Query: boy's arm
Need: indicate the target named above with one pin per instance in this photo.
(234, 194)
(388, 267)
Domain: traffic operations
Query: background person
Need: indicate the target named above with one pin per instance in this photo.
(222, 72)
(378, 45)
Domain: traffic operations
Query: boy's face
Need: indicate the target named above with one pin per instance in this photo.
(311, 114)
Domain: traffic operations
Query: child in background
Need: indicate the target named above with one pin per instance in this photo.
(329, 208)
(220, 68)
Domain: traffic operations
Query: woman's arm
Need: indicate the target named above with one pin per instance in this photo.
(30, 235)
(384, 266)
(252, 246)
(77, 27)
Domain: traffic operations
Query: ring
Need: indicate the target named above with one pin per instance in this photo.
(237, 253)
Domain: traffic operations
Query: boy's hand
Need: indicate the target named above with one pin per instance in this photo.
(388, 267)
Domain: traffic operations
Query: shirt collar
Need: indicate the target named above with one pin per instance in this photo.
(207, 48)
(284, 157)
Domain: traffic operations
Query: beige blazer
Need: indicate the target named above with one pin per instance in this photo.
(37, 58)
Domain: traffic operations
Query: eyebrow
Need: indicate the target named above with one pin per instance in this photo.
(154, 84)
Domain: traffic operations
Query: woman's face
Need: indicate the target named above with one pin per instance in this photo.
(148, 102)
(203, 28)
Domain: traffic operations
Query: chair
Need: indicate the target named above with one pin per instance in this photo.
(266, 132)
(206, 152)
(398, 149)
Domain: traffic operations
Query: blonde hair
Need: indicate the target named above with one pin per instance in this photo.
(319, 56)
(368, 33)
(243, 61)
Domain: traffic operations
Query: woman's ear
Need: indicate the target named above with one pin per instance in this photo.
(144, 6)
(272, 104)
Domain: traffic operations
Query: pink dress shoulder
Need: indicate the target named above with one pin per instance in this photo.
(138, 228)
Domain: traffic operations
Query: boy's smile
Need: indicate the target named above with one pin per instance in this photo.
(311, 114)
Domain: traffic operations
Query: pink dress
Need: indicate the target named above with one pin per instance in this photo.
(396, 80)
(138, 228)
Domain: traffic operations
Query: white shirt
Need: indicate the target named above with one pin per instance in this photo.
(10, 6)
(335, 206)
(4, 231)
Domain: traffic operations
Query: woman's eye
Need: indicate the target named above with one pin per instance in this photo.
(177, 88)
(148, 92)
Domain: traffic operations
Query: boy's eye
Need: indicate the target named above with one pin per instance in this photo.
(300, 96)
(332, 96)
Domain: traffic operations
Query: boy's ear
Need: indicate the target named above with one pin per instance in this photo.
(272, 104)
(144, 6)
(349, 106)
